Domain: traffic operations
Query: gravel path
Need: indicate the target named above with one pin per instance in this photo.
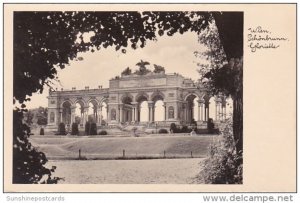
(154, 171)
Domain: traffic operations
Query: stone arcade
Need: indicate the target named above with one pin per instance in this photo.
(121, 102)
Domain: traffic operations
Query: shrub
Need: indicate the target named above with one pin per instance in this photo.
(61, 129)
(103, 132)
(173, 128)
(75, 130)
(87, 128)
(224, 164)
(210, 126)
(93, 129)
(162, 131)
(42, 131)
(185, 129)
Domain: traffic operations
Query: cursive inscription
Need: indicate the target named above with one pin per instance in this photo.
(260, 38)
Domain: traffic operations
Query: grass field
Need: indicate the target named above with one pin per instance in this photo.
(112, 147)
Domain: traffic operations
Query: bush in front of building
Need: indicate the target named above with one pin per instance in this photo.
(42, 131)
(87, 128)
(210, 126)
(75, 130)
(90, 128)
(223, 165)
(162, 131)
(61, 129)
(185, 129)
(103, 132)
(173, 128)
(93, 130)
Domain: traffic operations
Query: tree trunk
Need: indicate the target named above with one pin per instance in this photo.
(238, 122)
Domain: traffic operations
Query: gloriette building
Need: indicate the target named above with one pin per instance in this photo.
(123, 98)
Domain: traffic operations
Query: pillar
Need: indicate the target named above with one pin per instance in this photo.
(121, 114)
(85, 114)
(202, 110)
(73, 108)
(199, 110)
(61, 115)
(165, 109)
(99, 115)
(134, 111)
(150, 114)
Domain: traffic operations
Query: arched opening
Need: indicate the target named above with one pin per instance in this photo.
(66, 113)
(159, 111)
(192, 108)
(144, 112)
(92, 112)
(143, 108)
(79, 110)
(126, 109)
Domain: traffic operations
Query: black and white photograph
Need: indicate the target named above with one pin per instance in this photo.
(137, 96)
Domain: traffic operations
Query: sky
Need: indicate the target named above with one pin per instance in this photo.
(175, 53)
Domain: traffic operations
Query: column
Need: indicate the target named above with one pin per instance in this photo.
(133, 114)
(99, 116)
(165, 109)
(150, 115)
(134, 111)
(81, 115)
(137, 113)
(198, 110)
(121, 114)
(153, 113)
(73, 114)
(61, 115)
(202, 109)
(86, 114)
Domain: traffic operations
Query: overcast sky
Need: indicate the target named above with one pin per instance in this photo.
(175, 53)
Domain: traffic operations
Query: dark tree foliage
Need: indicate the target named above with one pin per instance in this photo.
(224, 74)
(158, 69)
(75, 130)
(28, 162)
(28, 117)
(127, 71)
(45, 41)
(42, 116)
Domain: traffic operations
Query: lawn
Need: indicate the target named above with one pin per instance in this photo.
(112, 147)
